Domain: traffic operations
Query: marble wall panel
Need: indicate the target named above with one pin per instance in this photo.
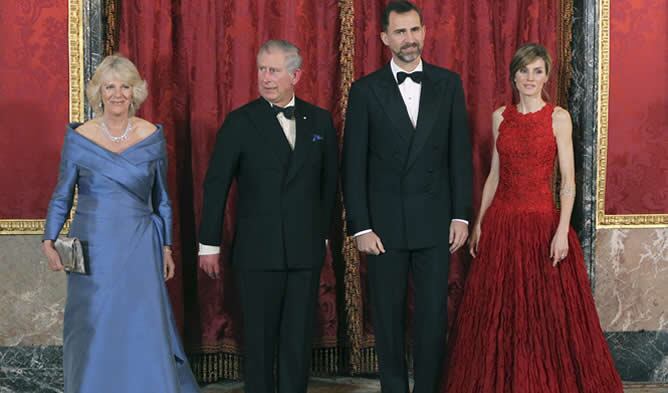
(631, 294)
(32, 298)
(632, 279)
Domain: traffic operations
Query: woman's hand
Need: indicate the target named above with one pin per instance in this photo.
(169, 265)
(52, 256)
(559, 247)
(474, 239)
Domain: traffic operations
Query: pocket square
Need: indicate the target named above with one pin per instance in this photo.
(316, 138)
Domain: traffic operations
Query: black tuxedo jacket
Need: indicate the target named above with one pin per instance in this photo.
(285, 197)
(407, 183)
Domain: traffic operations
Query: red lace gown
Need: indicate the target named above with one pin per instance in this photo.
(525, 326)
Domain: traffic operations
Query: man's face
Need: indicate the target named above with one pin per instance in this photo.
(275, 83)
(404, 36)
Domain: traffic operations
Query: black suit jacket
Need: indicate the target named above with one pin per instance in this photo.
(407, 183)
(285, 197)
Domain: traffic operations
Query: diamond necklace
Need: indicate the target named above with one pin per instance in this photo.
(116, 139)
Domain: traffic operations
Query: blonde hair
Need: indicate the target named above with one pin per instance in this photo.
(119, 67)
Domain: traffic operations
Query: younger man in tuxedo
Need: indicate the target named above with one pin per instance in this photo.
(407, 192)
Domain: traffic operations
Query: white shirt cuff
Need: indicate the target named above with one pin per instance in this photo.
(362, 232)
(460, 220)
(208, 250)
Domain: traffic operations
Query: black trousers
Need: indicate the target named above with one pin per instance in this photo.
(278, 323)
(388, 282)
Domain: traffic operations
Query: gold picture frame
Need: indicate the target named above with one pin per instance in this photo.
(75, 37)
(604, 220)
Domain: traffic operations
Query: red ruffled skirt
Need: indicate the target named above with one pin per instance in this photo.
(525, 326)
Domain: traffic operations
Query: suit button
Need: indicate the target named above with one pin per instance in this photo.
(430, 171)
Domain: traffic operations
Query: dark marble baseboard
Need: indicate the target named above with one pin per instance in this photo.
(31, 369)
(639, 357)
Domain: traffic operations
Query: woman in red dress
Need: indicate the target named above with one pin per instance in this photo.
(527, 322)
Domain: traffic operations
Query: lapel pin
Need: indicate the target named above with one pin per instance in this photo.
(304, 117)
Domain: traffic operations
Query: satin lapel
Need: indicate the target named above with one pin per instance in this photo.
(267, 124)
(430, 100)
(303, 140)
(94, 157)
(388, 95)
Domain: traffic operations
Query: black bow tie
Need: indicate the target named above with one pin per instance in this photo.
(288, 111)
(415, 76)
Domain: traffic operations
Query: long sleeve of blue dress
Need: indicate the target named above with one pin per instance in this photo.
(161, 203)
(62, 198)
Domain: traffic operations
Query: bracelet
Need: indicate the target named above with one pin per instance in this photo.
(567, 192)
(167, 249)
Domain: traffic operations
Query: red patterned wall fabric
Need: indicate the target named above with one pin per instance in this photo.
(199, 60)
(33, 104)
(637, 165)
(476, 40)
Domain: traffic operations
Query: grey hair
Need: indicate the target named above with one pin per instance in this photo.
(293, 60)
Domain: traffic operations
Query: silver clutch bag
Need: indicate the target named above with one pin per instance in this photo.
(71, 254)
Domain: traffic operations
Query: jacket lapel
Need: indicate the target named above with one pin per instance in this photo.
(430, 99)
(266, 122)
(303, 138)
(390, 100)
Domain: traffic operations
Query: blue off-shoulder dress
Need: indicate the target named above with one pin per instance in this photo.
(119, 332)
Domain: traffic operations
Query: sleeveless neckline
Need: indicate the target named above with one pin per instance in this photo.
(543, 108)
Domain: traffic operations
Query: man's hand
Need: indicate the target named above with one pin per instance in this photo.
(459, 231)
(369, 243)
(210, 264)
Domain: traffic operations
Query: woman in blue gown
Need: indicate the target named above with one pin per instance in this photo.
(119, 332)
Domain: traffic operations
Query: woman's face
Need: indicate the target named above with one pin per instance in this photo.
(116, 96)
(529, 80)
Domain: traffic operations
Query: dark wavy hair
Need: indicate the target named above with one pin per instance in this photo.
(400, 7)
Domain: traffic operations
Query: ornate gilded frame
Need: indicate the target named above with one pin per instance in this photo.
(75, 33)
(604, 220)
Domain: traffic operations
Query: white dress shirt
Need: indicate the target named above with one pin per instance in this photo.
(289, 127)
(410, 93)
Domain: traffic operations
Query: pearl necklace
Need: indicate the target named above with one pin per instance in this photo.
(116, 139)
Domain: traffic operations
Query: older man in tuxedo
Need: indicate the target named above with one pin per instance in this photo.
(282, 151)
(407, 191)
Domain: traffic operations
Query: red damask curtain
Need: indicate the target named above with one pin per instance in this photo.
(33, 105)
(199, 60)
(637, 126)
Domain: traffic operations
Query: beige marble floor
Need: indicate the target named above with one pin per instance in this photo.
(366, 385)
